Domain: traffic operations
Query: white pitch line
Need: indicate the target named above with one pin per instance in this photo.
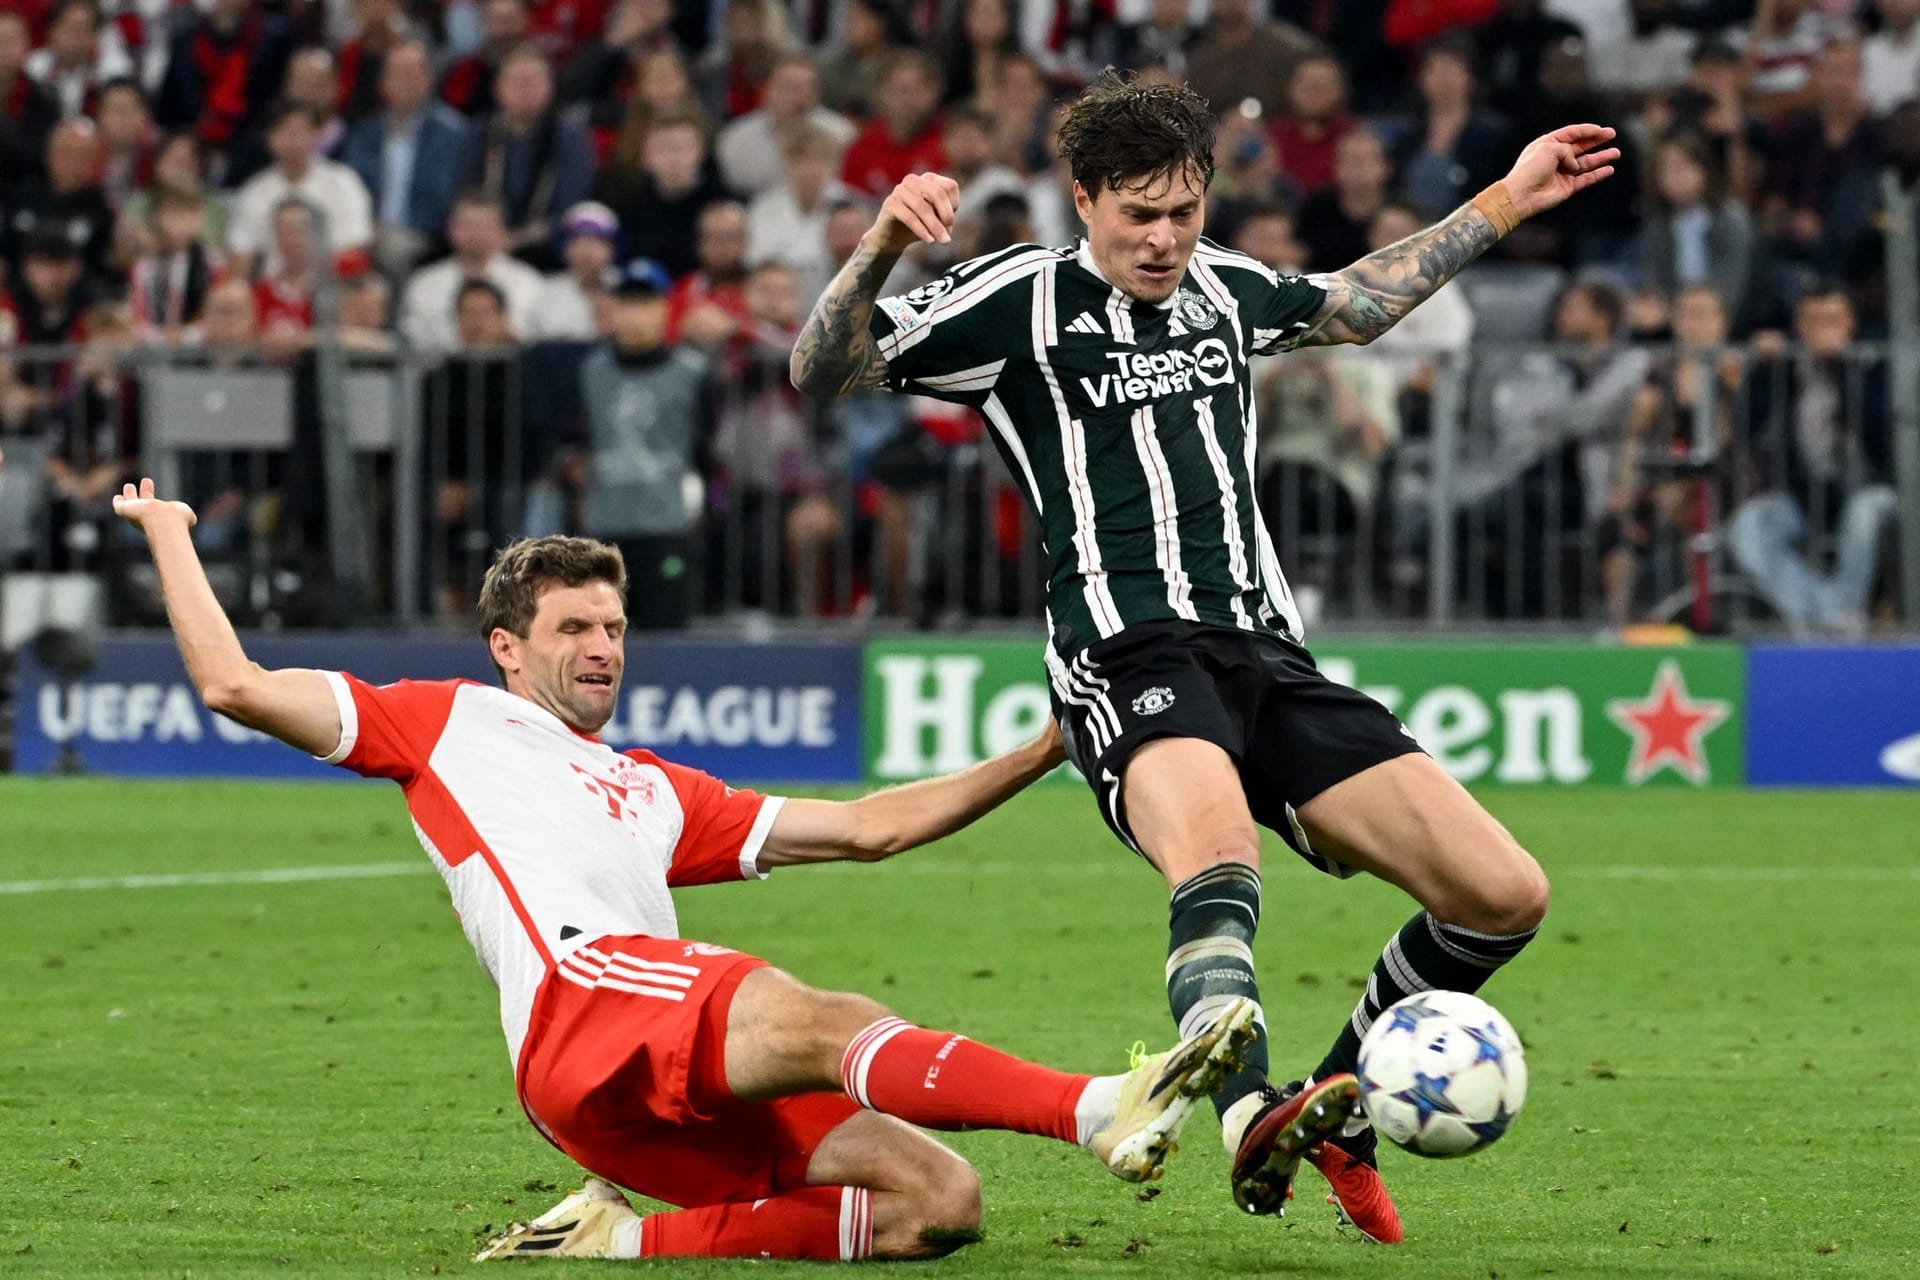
(190, 879)
(951, 869)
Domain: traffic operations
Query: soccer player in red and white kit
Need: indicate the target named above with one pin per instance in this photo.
(777, 1116)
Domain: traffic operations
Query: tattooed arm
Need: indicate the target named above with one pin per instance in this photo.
(1375, 293)
(835, 353)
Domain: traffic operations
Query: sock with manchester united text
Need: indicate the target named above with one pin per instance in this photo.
(817, 1224)
(1425, 955)
(940, 1080)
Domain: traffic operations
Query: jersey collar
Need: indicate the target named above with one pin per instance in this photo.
(1083, 254)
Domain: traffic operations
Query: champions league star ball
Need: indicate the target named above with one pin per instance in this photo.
(1442, 1074)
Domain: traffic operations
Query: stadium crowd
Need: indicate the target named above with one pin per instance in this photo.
(473, 181)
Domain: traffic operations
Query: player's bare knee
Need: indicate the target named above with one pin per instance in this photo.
(1506, 898)
(938, 1213)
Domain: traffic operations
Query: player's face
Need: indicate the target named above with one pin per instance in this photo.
(1142, 234)
(572, 657)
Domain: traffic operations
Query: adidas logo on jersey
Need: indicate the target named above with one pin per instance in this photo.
(1085, 323)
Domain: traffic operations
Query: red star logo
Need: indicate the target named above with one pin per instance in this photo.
(1669, 727)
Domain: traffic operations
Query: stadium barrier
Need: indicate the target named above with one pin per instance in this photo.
(1512, 485)
(1533, 715)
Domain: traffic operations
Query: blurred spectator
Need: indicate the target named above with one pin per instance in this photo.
(1430, 342)
(1308, 133)
(283, 295)
(663, 88)
(1410, 24)
(477, 233)
(1600, 229)
(1021, 115)
(312, 83)
(571, 301)
(1334, 222)
(68, 201)
(1073, 37)
(649, 413)
(1544, 470)
(1890, 57)
(74, 62)
(561, 28)
(1820, 438)
(966, 137)
(1655, 51)
(411, 156)
(1329, 420)
(975, 46)
(779, 522)
(850, 73)
(732, 77)
(176, 165)
(143, 29)
(46, 307)
(1050, 190)
(659, 210)
(1451, 147)
(847, 221)
(168, 286)
(1822, 164)
(1161, 39)
(606, 71)
(1265, 234)
(535, 161)
(471, 418)
(749, 148)
(903, 136)
(27, 112)
(127, 140)
(229, 324)
(1781, 45)
(1695, 233)
(1248, 171)
(380, 25)
(1712, 104)
(788, 223)
(222, 71)
(95, 445)
(1240, 56)
(1650, 512)
(1512, 44)
(708, 305)
(334, 191)
(468, 83)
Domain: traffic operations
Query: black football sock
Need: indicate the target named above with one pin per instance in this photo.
(1425, 955)
(1211, 922)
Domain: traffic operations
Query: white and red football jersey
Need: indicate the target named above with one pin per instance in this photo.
(547, 838)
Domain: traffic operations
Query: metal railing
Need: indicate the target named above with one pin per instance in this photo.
(1514, 486)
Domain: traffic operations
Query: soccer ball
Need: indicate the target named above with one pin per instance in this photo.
(1442, 1074)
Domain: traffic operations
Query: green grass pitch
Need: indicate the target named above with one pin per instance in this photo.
(309, 1079)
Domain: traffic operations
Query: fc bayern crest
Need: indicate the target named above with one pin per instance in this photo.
(1196, 310)
(1153, 701)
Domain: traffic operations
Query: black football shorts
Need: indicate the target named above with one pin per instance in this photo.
(1291, 731)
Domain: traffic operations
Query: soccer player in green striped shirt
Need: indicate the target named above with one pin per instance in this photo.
(1113, 376)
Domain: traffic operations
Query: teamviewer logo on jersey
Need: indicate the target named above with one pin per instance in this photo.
(1153, 701)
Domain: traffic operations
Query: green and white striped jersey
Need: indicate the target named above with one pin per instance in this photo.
(1129, 425)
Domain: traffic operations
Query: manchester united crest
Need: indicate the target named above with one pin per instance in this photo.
(1195, 310)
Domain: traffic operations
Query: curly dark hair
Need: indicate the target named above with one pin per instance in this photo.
(1120, 131)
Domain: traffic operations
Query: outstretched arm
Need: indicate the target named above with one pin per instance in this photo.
(295, 705)
(1375, 293)
(834, 353)
(904, 817)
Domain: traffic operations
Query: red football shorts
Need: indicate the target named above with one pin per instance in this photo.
(624, 1069)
